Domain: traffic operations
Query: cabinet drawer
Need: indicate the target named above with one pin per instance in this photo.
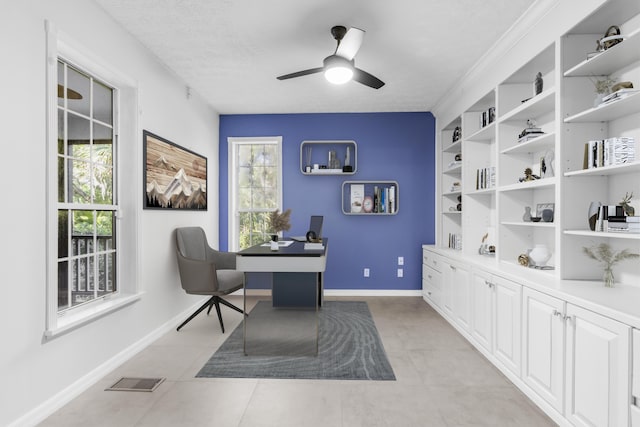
(432, 260)
(432, 277)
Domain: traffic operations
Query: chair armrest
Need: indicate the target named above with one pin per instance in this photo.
(196, 275)
(223, 260)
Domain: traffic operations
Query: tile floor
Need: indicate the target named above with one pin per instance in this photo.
(441, 381)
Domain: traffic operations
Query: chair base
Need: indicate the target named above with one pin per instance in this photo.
(214, 300)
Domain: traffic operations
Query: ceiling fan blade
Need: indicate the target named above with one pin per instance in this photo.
(349, 45)
(300, 73)
(367, 79)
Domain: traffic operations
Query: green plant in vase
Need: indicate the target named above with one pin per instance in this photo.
(608, 258)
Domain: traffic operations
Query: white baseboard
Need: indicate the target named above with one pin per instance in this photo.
(66, 395)
(348, 292)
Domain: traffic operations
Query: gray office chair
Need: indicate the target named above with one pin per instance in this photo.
(205, 271)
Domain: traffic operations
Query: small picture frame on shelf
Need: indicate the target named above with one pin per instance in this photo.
(545, 211)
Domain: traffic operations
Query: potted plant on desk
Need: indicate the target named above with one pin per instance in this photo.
(278, 222)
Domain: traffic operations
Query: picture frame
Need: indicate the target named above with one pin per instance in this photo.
(174, 177)
(541, 207)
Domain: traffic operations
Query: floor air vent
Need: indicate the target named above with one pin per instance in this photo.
(136, 384)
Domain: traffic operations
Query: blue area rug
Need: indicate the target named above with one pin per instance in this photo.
(349, 348)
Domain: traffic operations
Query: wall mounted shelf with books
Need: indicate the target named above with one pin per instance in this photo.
(328, 157)
(370, 197)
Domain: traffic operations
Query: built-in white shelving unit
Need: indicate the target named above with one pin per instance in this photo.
(543, 325)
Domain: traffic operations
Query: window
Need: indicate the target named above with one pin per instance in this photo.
(87, 200)
(92, 224)
(255, 188)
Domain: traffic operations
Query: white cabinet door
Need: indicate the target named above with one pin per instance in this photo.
(597, 365)
(481, 309)
(635, 382)
(507, 321)
(543, 336)
(461, 295)
(448, 278)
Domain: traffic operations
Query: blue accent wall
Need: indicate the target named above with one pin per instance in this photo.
(391, 147)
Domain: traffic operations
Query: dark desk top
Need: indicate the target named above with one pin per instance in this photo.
(294, 249)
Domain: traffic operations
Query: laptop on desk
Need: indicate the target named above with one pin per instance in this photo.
(315, 225)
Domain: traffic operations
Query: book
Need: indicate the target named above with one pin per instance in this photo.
(313, 246)
(357, 197)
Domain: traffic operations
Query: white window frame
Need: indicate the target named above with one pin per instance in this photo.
(60, 45)
(232, 215)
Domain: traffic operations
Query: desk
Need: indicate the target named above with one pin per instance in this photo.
(285, 325)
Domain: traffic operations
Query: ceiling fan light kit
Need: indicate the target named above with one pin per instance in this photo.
(339, 68)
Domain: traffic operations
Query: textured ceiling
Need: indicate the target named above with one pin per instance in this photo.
(230, 51)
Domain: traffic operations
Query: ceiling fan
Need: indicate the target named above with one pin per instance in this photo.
(339, 68)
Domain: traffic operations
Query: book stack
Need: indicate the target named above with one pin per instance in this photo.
(455, 241)
(633, 224)
(609, 152)
(618, 95)
(384, 199)
(485, 178)
(611, 218)
(487, 117)
(529, 133)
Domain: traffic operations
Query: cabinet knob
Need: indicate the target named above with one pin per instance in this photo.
(452, 267)
(568, 318)
(558, 313)
(429, 276)
(488, 283)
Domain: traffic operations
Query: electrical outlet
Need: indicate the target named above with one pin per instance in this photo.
(400, 273)
(400, 260)
(366, 272)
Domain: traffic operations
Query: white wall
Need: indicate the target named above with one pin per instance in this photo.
(34, 371)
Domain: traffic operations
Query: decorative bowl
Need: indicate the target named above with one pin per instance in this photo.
(536, 218)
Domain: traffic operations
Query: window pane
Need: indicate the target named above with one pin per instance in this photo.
(270, 198)
(79, 134)
(63, 285)
(244, 176)
(102, 103)
(244, 155)
(271, 155)
(79, 83)
(61, 131)
(257, 198)
(104, 222)
(244, 198)
(80, 181)
(63, 233)
(60, 83)
(80, 291)
(102, 145)
(103, 185)
(106, 274)
(83, 224)
(61, 186)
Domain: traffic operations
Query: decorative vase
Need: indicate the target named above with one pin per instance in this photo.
(540, 255)
(608, 277)
(347, 157)
(274, 242)
(594, 207)
(547, 215)
(527, 214)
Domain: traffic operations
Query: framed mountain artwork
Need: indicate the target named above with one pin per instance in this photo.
(174, 177)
